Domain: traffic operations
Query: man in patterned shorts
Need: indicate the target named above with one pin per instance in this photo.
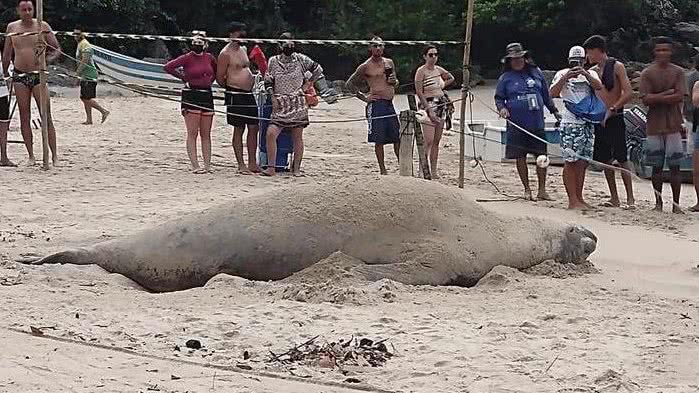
(573, 85)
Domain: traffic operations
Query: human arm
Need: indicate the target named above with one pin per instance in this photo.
(592, 78)
(501, 97)
(222, 68)
(174, 67)
(311, 66)
(7, 53)
(626, 89)
(695, 95)
(420, 86)
(214, 66)
(54, 48)
(447, 77)
(667, 97)
(393, 79)
(546, 95)
(560, 80)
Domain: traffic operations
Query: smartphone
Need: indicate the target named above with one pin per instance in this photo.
(388, 71)
(575, 63)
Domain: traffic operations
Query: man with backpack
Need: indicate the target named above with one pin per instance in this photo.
(610, 136)
(577, 86)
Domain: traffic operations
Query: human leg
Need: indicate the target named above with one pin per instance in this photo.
(273, 132)
(24, 95)
(205, 123)
(297, 138)
(253, 132)
(192, 122)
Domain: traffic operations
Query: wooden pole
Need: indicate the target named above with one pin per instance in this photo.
(406, 144)
(43, 89)
(419, 138)
(465, 91)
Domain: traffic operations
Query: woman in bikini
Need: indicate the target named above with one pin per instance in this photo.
(198, 70)
(430, 82)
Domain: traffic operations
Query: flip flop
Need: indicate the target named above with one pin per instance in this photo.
(265, 173)
(608, 204)
(693, 209)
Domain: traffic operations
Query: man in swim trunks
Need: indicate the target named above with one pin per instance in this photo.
(233, 73)
(27, 66)
(379, 73)
(662, 89)
(610, 136)
(87, 71)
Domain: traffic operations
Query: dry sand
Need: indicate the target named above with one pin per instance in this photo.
(631, 327)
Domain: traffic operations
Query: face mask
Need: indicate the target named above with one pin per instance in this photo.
(198, 49)
(288, 50)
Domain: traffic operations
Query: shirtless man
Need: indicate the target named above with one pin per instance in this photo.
(233, 73)
(26, 71)
(380, 74)
(610, 137)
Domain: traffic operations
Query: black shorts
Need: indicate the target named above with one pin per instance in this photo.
(88, 90)
(197, 101)
(520, 144)
(241, 108)
(5, 108)
(610, 141)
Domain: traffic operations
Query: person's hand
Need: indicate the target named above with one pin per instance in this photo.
(392, 80)
(433, 118)
(504, 113)
(607, 116)
(573, 73)
(558, 116)
(275, 104)
(668, 92)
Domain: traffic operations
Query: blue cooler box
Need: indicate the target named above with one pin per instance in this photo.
(285, 144)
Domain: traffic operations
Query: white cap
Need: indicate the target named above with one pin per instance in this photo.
(576, 52)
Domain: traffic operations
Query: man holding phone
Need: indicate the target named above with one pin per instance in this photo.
(380, 74)
(573, 85)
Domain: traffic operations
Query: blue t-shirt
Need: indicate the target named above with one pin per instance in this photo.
(524, 94)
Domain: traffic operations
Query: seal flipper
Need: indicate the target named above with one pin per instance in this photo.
(73, 257)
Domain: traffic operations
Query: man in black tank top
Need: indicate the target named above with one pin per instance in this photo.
(610, 137)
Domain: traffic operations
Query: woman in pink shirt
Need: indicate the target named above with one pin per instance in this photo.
(198, 70)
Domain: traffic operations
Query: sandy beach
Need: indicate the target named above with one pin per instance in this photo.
(628, 322)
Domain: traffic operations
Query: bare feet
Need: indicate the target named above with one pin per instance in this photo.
(31, 161)
(528, 196)
(677, 210)
(435, 176)
(694, 209)
(255, 169)
(384, 172)
(297, 174)
(56, 162)
(200, 171)
(269, 172)
(86, 123)
(577, 206)
(543, 196)
(105, 115)
(243, 169)
(630, 202)
(611, 203)
(658, 207)
(7, 163)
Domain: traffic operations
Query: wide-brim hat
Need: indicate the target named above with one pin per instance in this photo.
(513, 51)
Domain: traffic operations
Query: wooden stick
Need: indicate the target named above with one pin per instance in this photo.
(465, 91)
(43, 93)
(406, 145)
(419, 138)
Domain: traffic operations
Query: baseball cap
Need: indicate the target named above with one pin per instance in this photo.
(576, 52)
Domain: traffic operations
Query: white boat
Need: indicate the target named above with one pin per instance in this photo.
(127, 69)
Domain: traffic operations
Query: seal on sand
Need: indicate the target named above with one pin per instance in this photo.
(408, 230)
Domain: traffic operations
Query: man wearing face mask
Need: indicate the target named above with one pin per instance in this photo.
(235, 75)
(288, 74)
(380, 74)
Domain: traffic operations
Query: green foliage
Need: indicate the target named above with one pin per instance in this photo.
(548, 27)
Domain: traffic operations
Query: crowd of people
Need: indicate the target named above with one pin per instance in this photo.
(594, 89)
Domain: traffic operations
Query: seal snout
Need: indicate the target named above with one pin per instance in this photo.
(578, 245)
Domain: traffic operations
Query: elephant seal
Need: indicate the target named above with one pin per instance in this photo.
(405, 229)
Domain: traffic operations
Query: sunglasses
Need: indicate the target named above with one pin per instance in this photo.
(433, 54)
(377, 46)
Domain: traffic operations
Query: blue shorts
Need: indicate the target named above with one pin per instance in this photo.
(696, 140)
(661, 149)
(577, 141)
(384, 127)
